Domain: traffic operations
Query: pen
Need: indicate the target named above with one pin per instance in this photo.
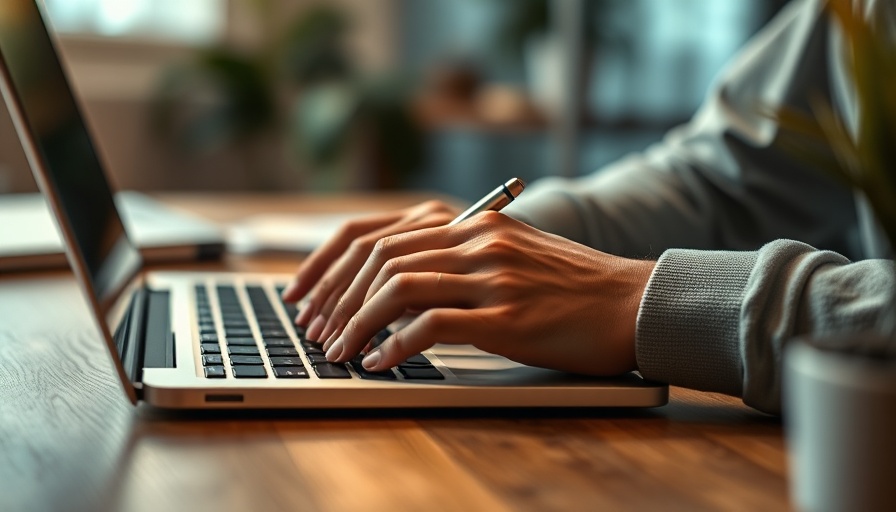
(497, 199)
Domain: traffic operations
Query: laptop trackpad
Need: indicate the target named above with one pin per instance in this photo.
(474, 366)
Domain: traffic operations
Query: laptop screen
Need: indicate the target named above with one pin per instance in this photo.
(56, 140)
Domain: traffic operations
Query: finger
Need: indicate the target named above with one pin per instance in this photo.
(421, 290)
(339, 277)
(317, 263)
(425, 240)
(444, 260)
(450, 326)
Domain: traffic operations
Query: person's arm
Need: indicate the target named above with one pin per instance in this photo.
(719, 320)
(721, 181)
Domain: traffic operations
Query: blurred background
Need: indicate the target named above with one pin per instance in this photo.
(447, 96)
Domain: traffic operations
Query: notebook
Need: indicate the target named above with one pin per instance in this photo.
(225, 340)
(29, 238)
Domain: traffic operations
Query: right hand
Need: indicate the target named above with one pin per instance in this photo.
(327, 273)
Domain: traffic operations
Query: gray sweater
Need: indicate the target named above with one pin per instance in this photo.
(721, 205)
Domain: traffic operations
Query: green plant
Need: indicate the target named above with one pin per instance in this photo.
(301, 85)
(865, 158)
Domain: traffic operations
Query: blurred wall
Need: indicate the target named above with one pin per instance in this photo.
(115, 79)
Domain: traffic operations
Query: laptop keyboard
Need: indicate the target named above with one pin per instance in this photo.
(259, 345)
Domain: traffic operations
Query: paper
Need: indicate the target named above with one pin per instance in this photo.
(285, 232)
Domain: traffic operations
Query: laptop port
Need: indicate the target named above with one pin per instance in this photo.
(223, 398)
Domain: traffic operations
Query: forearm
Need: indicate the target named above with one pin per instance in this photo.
(718, 321)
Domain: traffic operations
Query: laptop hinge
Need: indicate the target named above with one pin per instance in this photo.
(129, 336)
(144, 337)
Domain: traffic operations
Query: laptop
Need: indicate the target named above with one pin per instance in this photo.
(185, 340)
(29, 238)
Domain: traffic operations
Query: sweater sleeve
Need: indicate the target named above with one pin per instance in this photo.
(718, 320)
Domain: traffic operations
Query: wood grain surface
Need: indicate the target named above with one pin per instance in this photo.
(70, 440)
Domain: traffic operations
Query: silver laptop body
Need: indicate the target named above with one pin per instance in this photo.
(225, 340)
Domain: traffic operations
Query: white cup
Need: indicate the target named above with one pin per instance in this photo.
(840, 419)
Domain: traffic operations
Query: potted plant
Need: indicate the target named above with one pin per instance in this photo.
(840, 391)
(301, 88)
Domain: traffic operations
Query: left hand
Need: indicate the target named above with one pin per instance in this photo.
(500, 285)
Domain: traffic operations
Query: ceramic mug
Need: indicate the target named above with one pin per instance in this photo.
(840, 418)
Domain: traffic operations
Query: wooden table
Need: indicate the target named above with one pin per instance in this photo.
(70, 440)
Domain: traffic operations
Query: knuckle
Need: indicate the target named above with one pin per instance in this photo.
(399, 342)
(399, 284)
(362, 245)
(345, 230)
(499, 248)
(381, 247)
(340, 311)
(430, 323)
(323, 288)
(350, 326)
(492, 218)
(391, 268)
(503, 283)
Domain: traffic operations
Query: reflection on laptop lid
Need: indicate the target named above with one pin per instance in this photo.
(191, 340)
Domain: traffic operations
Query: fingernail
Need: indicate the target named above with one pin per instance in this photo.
(372, 360)
(304, 315)
(316, 326)
(330, 340)
(335, 351)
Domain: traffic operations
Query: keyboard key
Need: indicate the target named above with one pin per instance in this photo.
(274, 333)
(331, 371)
(282, 351)
(312, 348)
(286, 361)
(245, 342)
(249, 372)
(416, 360)
(208, 338)
(278, 342)
(214, 372)
(291, 372)
(210, 348)
(247, 360)
(364, 374)
(207, 329)
(212, 359)
(238, 332)
(421, 373)
(242, 351)
(317, 358)
(383, 375)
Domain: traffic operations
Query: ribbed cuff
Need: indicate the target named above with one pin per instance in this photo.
(688, 322)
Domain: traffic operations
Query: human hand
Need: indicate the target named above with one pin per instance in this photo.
(327, 273)
(500, 285)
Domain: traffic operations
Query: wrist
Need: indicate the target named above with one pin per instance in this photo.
(640, 275)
